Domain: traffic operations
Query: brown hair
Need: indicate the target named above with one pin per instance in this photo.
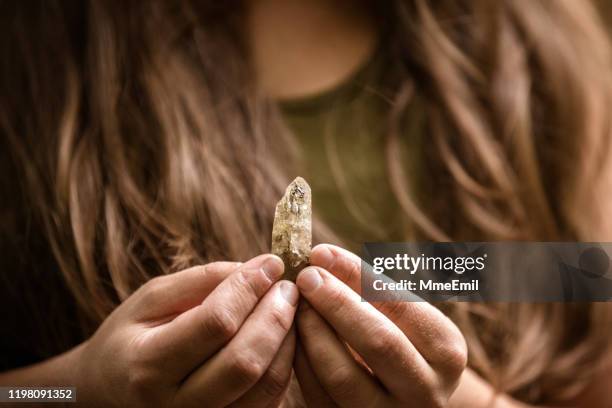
(146, 148)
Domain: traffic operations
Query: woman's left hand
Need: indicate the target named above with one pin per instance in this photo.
(398, 353)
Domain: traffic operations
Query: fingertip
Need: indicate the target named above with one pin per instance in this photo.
(322, 256)
(275, 257)
(309, 279)
(289, 292)
(259, 259)
(273, 266)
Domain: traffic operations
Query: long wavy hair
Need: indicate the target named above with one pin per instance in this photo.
(144, 148)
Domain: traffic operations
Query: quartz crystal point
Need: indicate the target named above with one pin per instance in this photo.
(292, 230)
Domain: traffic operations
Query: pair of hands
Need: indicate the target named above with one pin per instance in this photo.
(223, 335)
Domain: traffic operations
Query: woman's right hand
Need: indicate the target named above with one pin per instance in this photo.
(208, 336)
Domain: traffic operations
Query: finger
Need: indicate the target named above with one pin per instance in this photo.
(272, 386)
(382, 345)
(187, 341)
(433, 334)
(346, 381)
(170, 295)
(312, 391)
(242, 363)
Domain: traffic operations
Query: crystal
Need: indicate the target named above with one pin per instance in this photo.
(292, 229)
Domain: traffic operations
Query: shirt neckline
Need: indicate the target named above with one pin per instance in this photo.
(363, 76)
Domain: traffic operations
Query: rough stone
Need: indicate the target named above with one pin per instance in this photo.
(292, 229)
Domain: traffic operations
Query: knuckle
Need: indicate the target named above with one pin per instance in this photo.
(279, 320)
(336, 299)
(154, 289)
(139, 352)
(306, 321)
(384, 344)
(140, 381)
(438, 400)
(213, 269)
(151, 283)
(345, 268)
(247, 282)
(341, 382)
(246, 368)
(220, 324)
(204, 270)
(395, 310)
(274, 382)
(353, 270)
(454, 358)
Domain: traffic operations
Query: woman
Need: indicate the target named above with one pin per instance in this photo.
(154, 138)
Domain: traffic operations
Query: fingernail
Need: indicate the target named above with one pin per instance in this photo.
(273, 267)
(324, 257)
(289, 292)
(309, 279)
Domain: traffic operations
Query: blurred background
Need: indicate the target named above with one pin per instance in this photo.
(606, 9)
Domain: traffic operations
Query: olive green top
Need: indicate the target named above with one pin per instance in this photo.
(342, 135)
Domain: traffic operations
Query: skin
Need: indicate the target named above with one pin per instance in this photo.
(224, 334)
(301, 48)
(213, 336)
(408, 353)
(411, 352)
